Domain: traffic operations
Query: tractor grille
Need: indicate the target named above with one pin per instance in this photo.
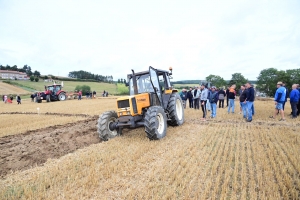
(134, 106)
(123, 103)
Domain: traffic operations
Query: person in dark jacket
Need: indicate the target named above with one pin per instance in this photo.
(213, 100)
(231, 97)
(221, 97)
(298, 105)
(227, 95)
(294, 99)
(190, 97)
(243, 103)
(250, 100)
(183, 95)
(19, 99)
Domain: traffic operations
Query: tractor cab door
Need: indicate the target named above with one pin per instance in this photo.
(155, 83)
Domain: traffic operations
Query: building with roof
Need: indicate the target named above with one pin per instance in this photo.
(8, 74)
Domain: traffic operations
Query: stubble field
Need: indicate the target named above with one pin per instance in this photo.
(223, 158)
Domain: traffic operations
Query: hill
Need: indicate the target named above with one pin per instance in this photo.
(68, 86)
(11, 89)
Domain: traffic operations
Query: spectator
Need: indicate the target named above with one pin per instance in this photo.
(190, 97)
(221, 97)
(196, 95)
(203, 98)
(79, 95)
(298, 105)
(208, 107)
(279, 99)
(231, 97)
(286, 95)
(18, 99)
(243, 103)
(250, 101)
(227, 96)
(104, 94)
(213, 99)
(32, 97)
(294, 99)
(94, 94)
(87, 94)
(11, 98)
(5, 98)
(90, 94)
(183, 95)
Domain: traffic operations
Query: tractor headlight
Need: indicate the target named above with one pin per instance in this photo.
(128, 112)
(121, 113)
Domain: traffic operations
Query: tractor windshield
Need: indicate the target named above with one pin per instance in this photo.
(143, 84)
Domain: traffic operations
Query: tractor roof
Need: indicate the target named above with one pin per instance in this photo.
(54, 85)
(159, 71)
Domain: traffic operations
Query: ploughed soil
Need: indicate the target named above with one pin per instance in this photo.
(22, 151)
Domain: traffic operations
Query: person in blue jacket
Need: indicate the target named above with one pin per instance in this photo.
(294, 99)
(213, 100)
(183, 95)
(279, 100)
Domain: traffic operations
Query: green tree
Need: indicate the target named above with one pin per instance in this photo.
(238, 79)
(46, 77)
(83, 88)
(36, 79)
(36, 73)
(266, 81)
(118, 80)
(31, 78)
(216, 80)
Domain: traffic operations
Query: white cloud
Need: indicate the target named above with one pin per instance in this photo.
(197, 38)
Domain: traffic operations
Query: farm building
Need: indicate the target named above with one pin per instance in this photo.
(7, 74)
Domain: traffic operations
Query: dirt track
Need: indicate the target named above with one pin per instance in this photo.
(19, 152)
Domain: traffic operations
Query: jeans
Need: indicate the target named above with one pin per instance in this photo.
(191, 103)
(184, 104)
(196, 103)
(213, 110)
(249, 109)
(208, 107)
(79, 97)
(231, 105)
(221, 103)
(294, 108)
(253, 112)
(244, 109)
(203, 108)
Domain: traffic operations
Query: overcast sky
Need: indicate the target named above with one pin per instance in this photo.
(196, 38)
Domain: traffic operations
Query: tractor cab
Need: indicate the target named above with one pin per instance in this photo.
(53, 89)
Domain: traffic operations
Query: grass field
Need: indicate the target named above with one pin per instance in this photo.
(223, 158)
(68, 86)
(186, 86)
(6, 89)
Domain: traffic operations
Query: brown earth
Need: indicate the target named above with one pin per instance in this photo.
(22, 151)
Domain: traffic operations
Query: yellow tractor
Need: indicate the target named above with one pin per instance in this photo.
(152, 104)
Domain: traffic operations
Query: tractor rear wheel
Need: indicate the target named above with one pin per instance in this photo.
(48, 98)
(155, 123)
(176, 111)
(103, 125)
(62, 96)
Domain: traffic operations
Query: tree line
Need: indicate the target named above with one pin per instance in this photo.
(26, 69)
(88, 75)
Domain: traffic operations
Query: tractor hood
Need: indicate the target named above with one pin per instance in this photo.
(132, 105)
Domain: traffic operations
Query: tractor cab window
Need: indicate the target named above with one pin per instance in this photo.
(50, 88)
(143, 84)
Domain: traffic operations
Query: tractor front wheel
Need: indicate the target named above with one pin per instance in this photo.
(48, 98)
(175, 109)
(155, 123)
(62, 96)
(103, 126)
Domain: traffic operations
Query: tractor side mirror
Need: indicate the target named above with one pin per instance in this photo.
(127, 84)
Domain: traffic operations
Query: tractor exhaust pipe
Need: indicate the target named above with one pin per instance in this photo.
(134, 83)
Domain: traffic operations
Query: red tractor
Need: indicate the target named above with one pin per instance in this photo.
(52, 93)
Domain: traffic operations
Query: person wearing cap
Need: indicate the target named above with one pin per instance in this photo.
(190, 97)
(213, 100)
(294, 99)
(196, 94)
(250, 95)
(279, 100)
(183, 95)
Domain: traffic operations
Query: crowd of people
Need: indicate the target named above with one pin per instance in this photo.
(9, 99)
(208, 98)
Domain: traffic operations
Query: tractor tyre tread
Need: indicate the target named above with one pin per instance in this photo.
(150, 123)
(102, 130)
(171, 108)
